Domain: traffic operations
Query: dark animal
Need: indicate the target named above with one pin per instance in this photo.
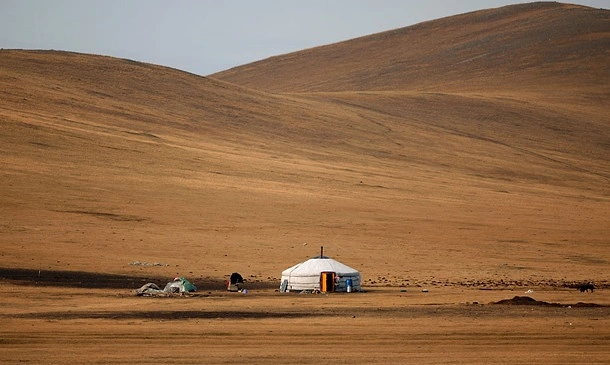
(587, 288)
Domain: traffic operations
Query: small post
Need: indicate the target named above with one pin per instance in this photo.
(321, 251)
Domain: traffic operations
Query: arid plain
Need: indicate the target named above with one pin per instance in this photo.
(456, 163)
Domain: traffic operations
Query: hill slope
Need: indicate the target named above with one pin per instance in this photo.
(543, 45)
(107, 161)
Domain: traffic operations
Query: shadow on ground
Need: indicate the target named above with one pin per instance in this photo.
(93, 280)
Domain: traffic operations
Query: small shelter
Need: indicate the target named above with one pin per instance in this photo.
(178, 285)
(235, 283)
(320, 273)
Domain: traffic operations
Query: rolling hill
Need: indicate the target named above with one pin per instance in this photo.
(469, 150)
(543, 45)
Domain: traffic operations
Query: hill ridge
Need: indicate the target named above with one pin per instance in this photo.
(106, 161)
(466, 52)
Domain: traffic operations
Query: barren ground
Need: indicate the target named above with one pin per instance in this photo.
(455, 164)
(446, 325)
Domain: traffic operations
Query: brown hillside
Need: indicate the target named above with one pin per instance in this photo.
(450, 185)
(542, 45)
(109, 161)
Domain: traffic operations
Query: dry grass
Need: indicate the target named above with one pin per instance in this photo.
(419, 171)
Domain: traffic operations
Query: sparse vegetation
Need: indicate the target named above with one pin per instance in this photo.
(453, 163)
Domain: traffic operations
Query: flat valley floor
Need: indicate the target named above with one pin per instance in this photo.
(382, 325)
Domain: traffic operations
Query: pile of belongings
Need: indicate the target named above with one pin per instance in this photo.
(235, 283)
(179, 286)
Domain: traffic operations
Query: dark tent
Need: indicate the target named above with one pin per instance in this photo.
(236, 278)
(235, 283)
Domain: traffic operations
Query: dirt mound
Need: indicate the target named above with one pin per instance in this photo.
(525, 300)
(522, 300)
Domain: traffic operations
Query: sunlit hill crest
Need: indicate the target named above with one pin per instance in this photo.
(468, 142)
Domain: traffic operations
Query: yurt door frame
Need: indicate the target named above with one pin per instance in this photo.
(327, 281)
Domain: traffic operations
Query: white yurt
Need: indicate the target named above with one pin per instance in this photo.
(320, 273)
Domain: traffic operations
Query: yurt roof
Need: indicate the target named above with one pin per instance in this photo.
(319, 264)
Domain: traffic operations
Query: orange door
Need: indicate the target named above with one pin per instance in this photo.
(327, 282)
